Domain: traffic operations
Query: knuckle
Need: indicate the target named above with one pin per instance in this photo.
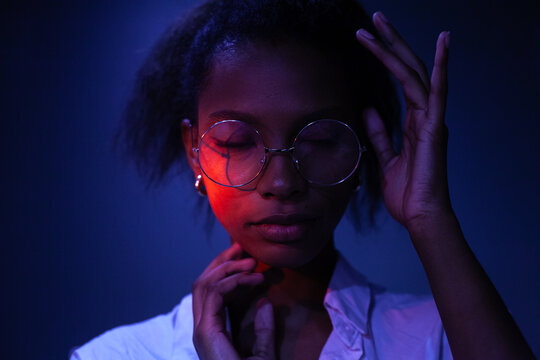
(212, 288)
(228, 268)
(378, 135)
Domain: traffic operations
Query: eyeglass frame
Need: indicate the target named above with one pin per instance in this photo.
(267, 150)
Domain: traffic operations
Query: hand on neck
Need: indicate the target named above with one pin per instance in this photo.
(302, 286)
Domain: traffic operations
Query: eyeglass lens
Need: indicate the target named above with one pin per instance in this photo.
(232, 153)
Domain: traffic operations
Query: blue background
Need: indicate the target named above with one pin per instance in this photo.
(86, 247)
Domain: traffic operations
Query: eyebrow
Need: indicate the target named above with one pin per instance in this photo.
(231, 115)
(333, 112)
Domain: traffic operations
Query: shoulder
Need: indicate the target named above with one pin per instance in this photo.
(410, 313)
(383, 308)
(411, 323)
(393, 325)
(161, 337)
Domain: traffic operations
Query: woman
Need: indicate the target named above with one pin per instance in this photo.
(283, 114)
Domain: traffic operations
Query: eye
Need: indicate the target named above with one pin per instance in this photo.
(320, 140)
(234, 144)
(318, 137)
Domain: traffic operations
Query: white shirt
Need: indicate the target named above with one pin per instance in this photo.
(367, 322)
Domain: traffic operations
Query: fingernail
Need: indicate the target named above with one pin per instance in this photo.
(381, 16)
(365, 34)
(262, 302)
(447, 39)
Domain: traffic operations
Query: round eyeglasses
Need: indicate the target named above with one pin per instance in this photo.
(325, 152)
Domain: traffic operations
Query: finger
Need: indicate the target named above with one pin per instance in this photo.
(378, 136)
(199, 286)
(215, 275)
(264, 347)
(413, 88)
(231, 253)
(400, 47)
(439, 79)
(210, 335)
(212, 317)
(228, 268)
(218, 294)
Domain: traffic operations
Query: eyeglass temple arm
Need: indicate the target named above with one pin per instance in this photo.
(191, 132)
(269, 150)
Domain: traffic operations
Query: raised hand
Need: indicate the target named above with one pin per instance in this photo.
(415, 191)
(415, 186)
(223, 280)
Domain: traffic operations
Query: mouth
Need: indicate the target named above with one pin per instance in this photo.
(284, 228)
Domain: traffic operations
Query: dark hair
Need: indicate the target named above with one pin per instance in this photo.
(169, 82)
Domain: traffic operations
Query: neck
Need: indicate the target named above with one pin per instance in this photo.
(297, 295)
(305, 285)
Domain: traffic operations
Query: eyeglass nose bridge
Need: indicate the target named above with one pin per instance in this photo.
(267, 151)
(280, 151)
(284, 151)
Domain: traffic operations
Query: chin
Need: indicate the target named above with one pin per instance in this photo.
(284, 255)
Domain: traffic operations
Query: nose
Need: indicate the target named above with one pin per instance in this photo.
(280, 179)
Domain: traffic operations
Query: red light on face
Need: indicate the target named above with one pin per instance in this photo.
(277, 91)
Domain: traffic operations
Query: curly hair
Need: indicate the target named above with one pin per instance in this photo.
(172, 77)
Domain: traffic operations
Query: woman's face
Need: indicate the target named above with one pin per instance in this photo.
(279, 218)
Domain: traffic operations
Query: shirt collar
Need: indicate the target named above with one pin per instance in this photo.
(348, 298)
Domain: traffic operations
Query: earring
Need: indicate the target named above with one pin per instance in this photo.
(360, 182)
(199, 185)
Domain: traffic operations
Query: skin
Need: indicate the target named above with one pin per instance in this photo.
(282, 291)
(292, 96)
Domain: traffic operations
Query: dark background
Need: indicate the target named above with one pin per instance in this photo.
(85, 247)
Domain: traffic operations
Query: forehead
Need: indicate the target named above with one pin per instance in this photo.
(278, 86)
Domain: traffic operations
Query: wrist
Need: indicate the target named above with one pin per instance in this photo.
(432, 224)
(439, 243)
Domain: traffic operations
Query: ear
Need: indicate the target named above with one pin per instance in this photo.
(190, 134)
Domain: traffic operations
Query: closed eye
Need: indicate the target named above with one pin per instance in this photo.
(320, 142)
(234, 145)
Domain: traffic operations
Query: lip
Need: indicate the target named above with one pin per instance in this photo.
(284, 228)
(285, 219)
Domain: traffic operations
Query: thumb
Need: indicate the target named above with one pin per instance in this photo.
(264, 347)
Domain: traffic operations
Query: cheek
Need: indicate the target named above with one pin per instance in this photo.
(234, 207)
(219, 201)
(227, 204)
(336, 200)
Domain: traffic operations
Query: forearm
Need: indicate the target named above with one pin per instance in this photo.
(476, 321)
